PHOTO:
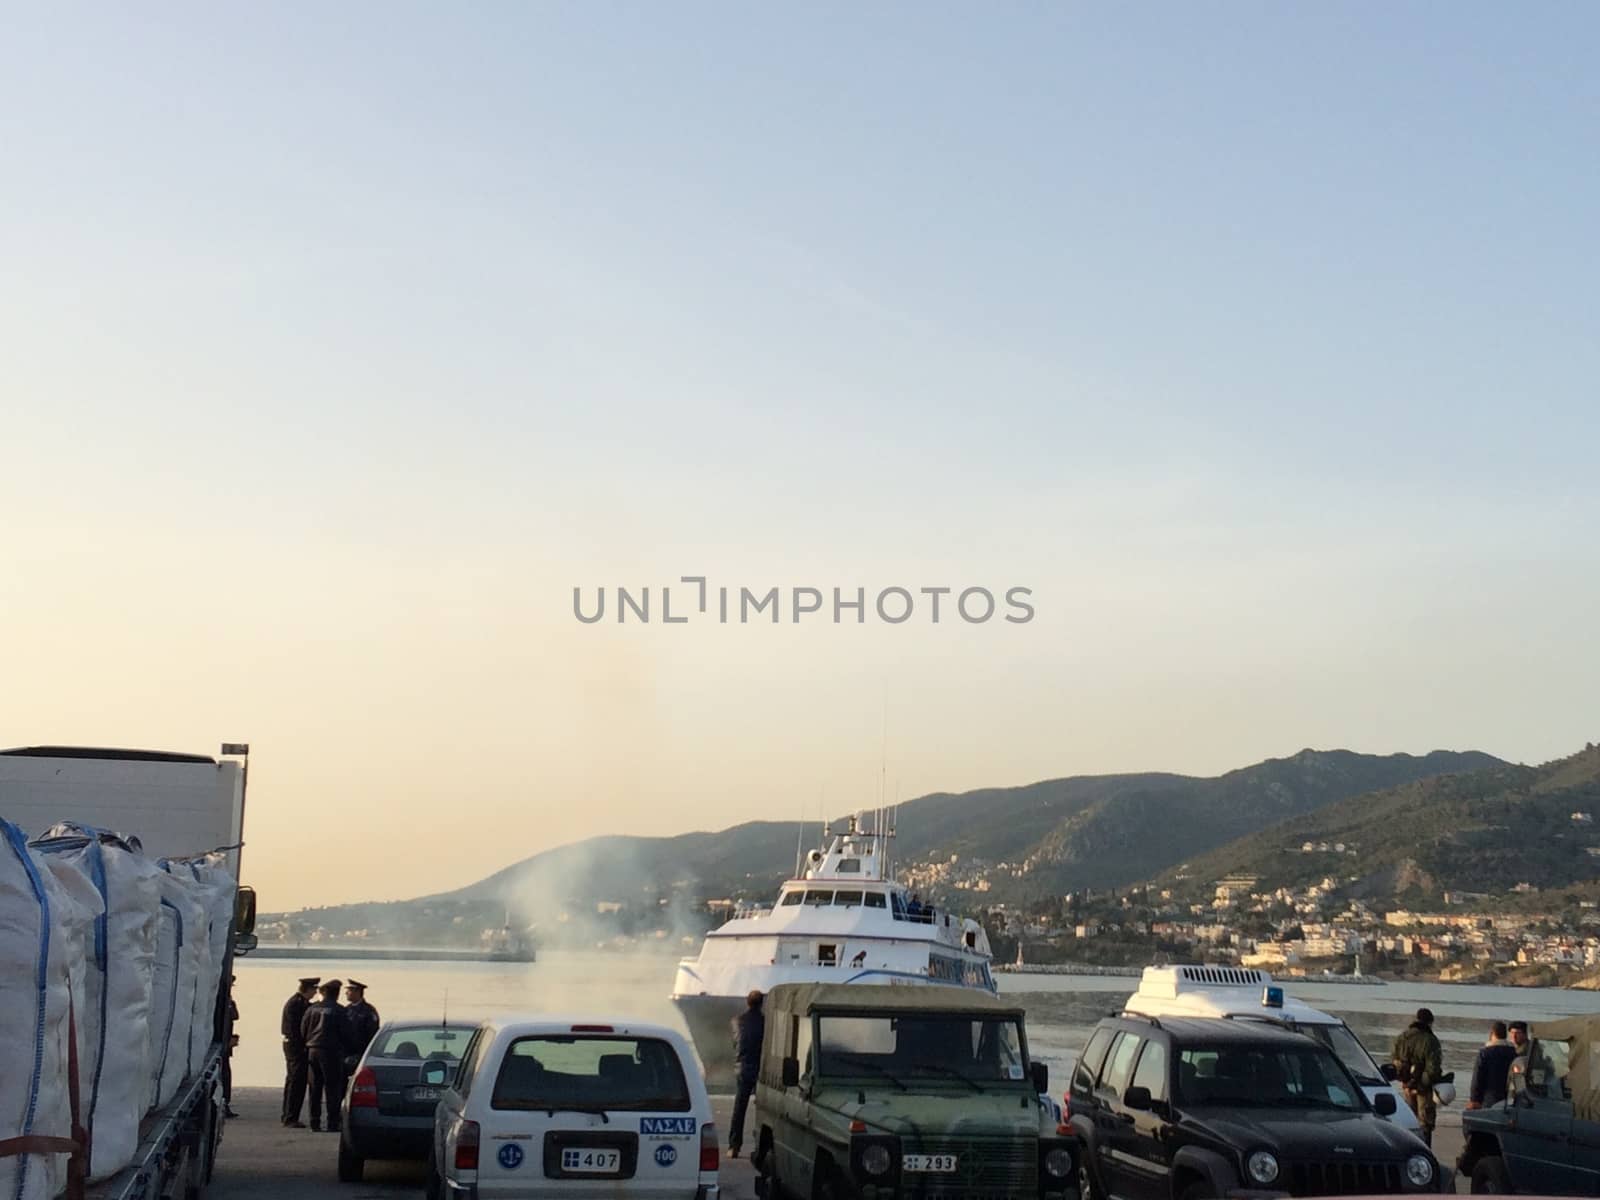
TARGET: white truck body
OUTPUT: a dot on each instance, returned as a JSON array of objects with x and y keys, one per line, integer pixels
[{"x": 177, "y": 806}]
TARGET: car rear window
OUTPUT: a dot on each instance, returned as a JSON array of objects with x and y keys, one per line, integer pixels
[
  {"x": 591, "y": 1073},
  {"x": 420, "y": 1042}
]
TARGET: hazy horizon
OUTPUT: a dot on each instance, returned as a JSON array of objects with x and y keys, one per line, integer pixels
[{"x": 341, "y": 346}]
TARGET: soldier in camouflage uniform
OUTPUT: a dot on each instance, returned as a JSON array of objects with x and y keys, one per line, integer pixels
[{"x": 1418, "y": 1063}]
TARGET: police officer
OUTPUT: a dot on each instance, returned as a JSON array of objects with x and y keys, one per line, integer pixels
[
  {"x": 1418, "y": 1064},
  {"x": 294, "y": 1052},
  {"x": 361, "y": 1022},
  {"x": 323, "y": 1031},
  {"x": 748, "y": 1028}
]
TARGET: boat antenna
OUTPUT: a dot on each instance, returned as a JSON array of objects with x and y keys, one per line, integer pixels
[
  {"x": 799, "y": 839},
  {"x": 444, "y": 1018}
]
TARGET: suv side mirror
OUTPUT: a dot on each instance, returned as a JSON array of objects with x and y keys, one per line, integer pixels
[
  {"x": 791, "y": 1073},
  {"x": 1384, "y": 1104},
  {"x": 1389, "y": 1071},
  {"x": 1041, "y": 1076},
  {"x": 1137, "y": 1098},
  {"x": 433, "y": 1073}
]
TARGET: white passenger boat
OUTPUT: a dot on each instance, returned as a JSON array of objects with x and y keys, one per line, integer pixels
[{"x": 842, "y": 920}]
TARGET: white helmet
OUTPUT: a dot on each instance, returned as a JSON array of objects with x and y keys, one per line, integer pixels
[{"x": 1444, "y": 1093}]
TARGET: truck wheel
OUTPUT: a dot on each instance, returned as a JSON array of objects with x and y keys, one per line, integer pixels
[
  {"x": 350, "y": 1165},
  {"x": 1490, "y": 1177}
]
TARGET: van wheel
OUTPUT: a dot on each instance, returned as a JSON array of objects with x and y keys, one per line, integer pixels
[
  {"x": 351, "y": 1165},
  {"x": 1490, "y": 1177}
]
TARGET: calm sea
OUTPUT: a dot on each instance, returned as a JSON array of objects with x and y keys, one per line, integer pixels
[{"x": 1061, "y": 1008}]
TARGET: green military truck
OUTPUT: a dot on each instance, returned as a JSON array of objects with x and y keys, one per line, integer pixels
[{"x": 875, "y": 1092}]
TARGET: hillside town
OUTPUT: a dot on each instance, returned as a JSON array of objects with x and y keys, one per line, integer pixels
[{"x": 1322, "y": 928}]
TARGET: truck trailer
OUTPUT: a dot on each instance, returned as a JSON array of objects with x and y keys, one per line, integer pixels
[{"x": 177, "y": 814}]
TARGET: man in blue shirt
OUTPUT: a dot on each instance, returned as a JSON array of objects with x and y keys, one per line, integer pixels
[{"x": 748, "y": 1029}]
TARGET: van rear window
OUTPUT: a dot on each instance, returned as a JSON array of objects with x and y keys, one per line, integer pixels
[{"x": 591, "y": 1074}]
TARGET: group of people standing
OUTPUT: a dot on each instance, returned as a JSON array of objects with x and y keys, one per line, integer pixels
[
  {"x": 322, "y": 1042},
  {"x": 1419, "y": 1066}
]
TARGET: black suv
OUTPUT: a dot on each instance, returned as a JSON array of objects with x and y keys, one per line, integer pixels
[{"x": 1180, "y": 1109}]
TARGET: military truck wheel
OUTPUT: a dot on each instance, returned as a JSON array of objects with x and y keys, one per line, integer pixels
[
  {"x": 1490, "y": 1177},
  {"x": 351, "y": 1165},
  {"x": 832, "y": 1185}
]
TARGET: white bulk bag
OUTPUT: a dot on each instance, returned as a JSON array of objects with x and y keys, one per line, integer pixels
[
  {"x": 190, "y": 954},
  {"x": 163, "y": 997},
  {"x": 114, "y": 1022},
  {"x": 215, "y": 888},
  {"x": 39, "y": 922}
]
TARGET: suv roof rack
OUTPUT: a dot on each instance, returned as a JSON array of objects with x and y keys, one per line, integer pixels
[
  {"x": 1137, "y": 1016},
  {"x": 1282, "y": 1022}
]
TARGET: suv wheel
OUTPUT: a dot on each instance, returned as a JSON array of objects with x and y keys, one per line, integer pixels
[
  {"x": 1198, "y": 1190},
  {"x": 1088, "y": 1189},
  {"x": 1490, "y": 1177}
]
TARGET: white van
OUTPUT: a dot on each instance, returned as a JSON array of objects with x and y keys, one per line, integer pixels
[
  {"x": 558, "y": 1106},
  {"x": 1244, "y": 993}
]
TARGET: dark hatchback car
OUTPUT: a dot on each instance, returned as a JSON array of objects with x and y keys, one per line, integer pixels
[
  {"x": 1181, "y": 1109},
  {"x": 389, "y": 1111}
]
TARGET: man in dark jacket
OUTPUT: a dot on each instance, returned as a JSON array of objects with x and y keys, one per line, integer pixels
[
  {"x": 294, "y": 1052},
  {"x": 748, "y": 1029},
  {"x": 1419, "y": 1061},
  {"x": 361, "y": 1022},
  {"x": 1490, "y": 1072},
  {"x": 323, "y": 1031}
]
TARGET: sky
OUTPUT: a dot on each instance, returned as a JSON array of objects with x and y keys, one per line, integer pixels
[{"x": 339, "y": 346}]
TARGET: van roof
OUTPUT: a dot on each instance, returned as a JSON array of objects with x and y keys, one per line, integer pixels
[
  {"x": 1205, "y": 991},
  {"x": 929, "y": 998}
]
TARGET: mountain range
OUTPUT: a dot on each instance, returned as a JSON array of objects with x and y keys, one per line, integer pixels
[{"x": 1055, "y": 836}]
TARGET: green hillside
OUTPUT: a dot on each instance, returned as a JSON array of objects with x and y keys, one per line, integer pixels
[
  {"x": 1088, "y": 831},
  {"x": 1483, "y": 832}
]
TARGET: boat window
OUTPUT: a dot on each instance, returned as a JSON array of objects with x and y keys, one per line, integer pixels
[
  {"x": 793, "y": 896},
  {"x": 850, "y": 866},
  {"x": 875, "y": 900},
  {"x": 827, "y": 955},
  {"x": 848, "y": 899},
  {"x": 814, "y": 897}
]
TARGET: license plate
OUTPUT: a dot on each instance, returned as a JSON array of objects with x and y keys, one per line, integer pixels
[
  {"x": 591, "y": 1162},
  {"x": 928, "y": 1163},
  {"x": 422, "y": 1093}
]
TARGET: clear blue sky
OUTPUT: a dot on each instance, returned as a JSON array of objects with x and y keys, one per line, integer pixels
[{"x": 340, "y": 344}]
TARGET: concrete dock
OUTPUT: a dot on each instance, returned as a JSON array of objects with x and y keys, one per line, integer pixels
[{"x": 261, "y": 1160}]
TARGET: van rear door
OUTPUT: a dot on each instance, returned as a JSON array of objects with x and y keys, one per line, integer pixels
[{"x": 598, "y": 1109}]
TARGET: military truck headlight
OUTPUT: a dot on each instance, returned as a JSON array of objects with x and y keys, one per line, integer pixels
[
  {"x": 1058, "y": 1162},
  {"x": 875, "y": 1160},
  {"x": 1419, "y": 1171},
  {"x": 1263, "y": 1167}
]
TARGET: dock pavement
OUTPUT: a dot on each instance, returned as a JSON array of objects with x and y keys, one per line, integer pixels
[{"x": 261, "y": 1160}]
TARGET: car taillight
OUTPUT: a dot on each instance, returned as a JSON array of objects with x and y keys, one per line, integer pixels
[
  {"x": 364, "y": 1091},
  {"x": 708, "y": 1147},
  {"x": 467, "y": 1146}
]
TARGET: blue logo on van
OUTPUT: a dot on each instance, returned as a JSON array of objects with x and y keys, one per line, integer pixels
[
  {"x": 510, "y": 1156},
  {"x": 665, "y": 1156},
  {"x": 667, "y": 1125}
]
